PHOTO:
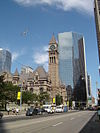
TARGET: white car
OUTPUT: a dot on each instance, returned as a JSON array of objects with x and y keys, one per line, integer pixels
[
  {"x": 48, "y": 108},
  {"x": 59, "y": 109}
]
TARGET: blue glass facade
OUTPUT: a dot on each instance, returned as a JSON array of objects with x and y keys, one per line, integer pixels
[
  {"x": 65, "y": 46},
  {"x": 5, "y": 61},
  {"x": 72, "y": 62}
]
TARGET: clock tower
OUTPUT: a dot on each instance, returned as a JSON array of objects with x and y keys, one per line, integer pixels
[{"x": 53, "y": 66}]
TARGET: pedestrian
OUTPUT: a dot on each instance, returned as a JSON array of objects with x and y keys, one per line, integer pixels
[
  {"x": 8, "y": 110},
  {"x": 17, "y": 111},
  {"x": 13, "y": 110}
]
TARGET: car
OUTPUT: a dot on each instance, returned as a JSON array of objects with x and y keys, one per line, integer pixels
[
  {"x": 48, "y": 108},
  {"x": 59, "y": 109},
  {"x": 1, "y": 115},
  {"x": 31, "y": 111},
  {"x": 41, "y": 111}
]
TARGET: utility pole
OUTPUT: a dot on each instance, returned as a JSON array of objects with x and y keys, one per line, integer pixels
[{"x": 21, "y": 98}]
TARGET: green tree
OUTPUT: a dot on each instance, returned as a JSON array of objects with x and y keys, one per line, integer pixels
[
  {"x": 59, "y": 99},
  {"x": 8, "y": 92},
  {"x": 43, "y": 97},
  {"x": 29, "y": 97}
]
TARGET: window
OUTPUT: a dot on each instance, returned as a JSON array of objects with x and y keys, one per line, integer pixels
[{"x": 41, "y": 90}]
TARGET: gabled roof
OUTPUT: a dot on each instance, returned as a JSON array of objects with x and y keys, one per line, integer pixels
[
  {"x": 41, "y": 72},
  {"x": 53, "y": 40},
  {"x": 16, "y": 73}
]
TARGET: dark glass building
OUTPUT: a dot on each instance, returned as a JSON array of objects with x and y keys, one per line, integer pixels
[
  {"x": 97, "y": 21},
  {"x": 5, "y": 61},
  {"x": 72, "y": 64}
]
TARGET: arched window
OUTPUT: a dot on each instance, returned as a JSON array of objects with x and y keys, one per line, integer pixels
[
  {"x": 41, "y": 89},
  {"x": 50, "y": 59},
  {"x": 54, "y": 60},
  {"x": 31, "y": 89}
]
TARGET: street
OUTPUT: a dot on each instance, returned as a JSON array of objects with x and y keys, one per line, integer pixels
[{"x": 62, "y": 123}]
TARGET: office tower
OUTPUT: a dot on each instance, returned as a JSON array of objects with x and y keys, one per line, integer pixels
[
  {"x": 89, "y": 85},
  {"x": 72, "y": 64},
  {"x": 5, "y": 60},
  {"x": 97, "y": 21}
]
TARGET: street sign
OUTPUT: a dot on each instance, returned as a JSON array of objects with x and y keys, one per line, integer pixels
[
  {"x": 18, "y": 95},
  {"x": 54, "y": 100},
  {"x": 67, "y": 103}
]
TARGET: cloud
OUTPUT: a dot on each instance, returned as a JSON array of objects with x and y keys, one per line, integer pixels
[
  {"x": 85, "y": 6},
  {"x": 41, "y": 58},
  {"x": 15, "y": 55}
]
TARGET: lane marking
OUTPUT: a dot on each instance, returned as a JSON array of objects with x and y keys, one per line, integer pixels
[
  {"x": 57, "y": 124},
  {"x": 21, "y": 123},
  {"x": 72, "y": 119}
]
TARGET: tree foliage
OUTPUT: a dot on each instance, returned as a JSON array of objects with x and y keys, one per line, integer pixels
[
  {"x": 59, "y": 99},
  {"x": 43, "y": 97},
  {"x": 8, "y": 92},
  {"x": 29, "y": 97}
]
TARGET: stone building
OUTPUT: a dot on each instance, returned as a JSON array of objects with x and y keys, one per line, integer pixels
[
  {"x": 53, "y": 71},
  {"x": 39, "y": 80}
]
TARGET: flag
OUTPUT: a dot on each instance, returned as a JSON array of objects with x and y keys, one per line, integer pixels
[{"x": 18, "y": 95}]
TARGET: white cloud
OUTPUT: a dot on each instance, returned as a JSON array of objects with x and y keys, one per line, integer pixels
[
  {"x": 79, "y": 5},
  {"x": 15, "y": 55},
  {"x": 45, "y": 48},
  {"x": 41, "y": 58}
]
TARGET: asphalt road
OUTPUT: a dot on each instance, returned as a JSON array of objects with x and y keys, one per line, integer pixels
[{"x": 62, "y": 123}]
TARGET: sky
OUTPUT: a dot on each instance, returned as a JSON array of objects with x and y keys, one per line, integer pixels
[{"x": 26, "y": 27}]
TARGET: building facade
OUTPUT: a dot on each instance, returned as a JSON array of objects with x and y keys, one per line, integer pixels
[
  {"x": 56, "y": 85},
  {"x": 36, "y": 82},
  {"x": 89, "y": 85},
  {"x": 72, "y": 64},
  {"x": 97, "y": 21},
  {"x": 53, "y": 66},
  {"x": 5, "y": 61},
  {"x": 26, "y": 69}
]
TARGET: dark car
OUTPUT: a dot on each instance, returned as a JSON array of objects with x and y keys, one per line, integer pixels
[
  {"x": 31, "y": 111},
  {"x": 1, "y": 115},
  {"x": 41, "y": 111}
]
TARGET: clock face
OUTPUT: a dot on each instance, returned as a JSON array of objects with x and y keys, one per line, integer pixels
[{"x": 52, "y": 47}]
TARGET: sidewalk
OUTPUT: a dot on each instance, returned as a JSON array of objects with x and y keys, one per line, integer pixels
[{"x": 93, "y": 126}]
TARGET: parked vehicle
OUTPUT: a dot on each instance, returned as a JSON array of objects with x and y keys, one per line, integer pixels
[
  {"x": 1, "y": 115},
  {"x": 31, "y": 111},
  {"x": 59, "y": 109},
  {"x": 48, "y": 108},
  {"x": 41, "y": 111}
]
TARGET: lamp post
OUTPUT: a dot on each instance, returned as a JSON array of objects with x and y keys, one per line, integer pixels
[{"x": 20, "y": 85}]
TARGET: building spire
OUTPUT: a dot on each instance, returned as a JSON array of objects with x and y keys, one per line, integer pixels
[
  {"x": 53, "y": 40},
  {"x": 16, "y": 73}
]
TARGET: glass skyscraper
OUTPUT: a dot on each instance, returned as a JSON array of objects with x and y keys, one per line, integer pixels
[
  {"x": 72, "y": 62},
  {"x": 5, "y": 61},
  {"x": 97, "y": 21}
]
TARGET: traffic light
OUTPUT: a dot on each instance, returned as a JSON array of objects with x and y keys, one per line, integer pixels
[{"x": 98, "y": 97}]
